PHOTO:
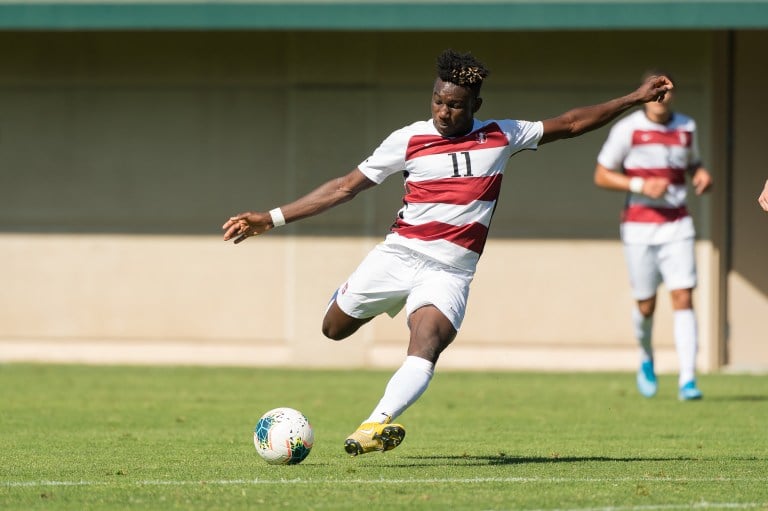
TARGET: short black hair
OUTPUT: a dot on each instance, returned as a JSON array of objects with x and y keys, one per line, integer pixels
[
  {"x": 461, "y": 69},
  {"x": 655, "y": 71}
]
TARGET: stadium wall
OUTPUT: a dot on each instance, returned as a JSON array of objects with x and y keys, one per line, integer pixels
[{"x": 122, "y": 153}]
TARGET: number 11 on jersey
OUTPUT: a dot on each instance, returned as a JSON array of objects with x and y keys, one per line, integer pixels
[{"x": 455, "y": 158}]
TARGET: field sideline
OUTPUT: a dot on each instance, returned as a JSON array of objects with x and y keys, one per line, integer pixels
[{"x": 121, "y": 437}]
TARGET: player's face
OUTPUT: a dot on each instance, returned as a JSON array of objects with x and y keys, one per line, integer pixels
[
  {"x": 453, "y": 108},
  {"x": 660, "y": 110}
]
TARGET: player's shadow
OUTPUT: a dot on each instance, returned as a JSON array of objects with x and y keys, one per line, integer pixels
[
  {"x": 744, "y": 398},
  {"x": 503, "y": 459}
]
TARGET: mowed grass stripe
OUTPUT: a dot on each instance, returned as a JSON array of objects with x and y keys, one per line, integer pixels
[{"x": 476, "y": 480}]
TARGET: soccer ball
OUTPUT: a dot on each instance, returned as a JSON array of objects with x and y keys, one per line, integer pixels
[{"x": 283, "y": 436}]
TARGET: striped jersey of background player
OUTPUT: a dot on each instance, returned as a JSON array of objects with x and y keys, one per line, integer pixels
[
  {"x": 453, "y": 165},
  {"x": 649, "y": 154}
]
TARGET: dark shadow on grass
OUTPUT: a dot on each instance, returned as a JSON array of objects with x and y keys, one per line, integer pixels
[
  {"x": 743, "y": 398},
  {"x": 502, "y": 459}
]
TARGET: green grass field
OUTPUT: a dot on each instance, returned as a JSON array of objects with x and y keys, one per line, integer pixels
[{"x": 101, "y": 438}]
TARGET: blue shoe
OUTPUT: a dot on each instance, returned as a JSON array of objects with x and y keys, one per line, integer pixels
[
  {"x": 689, "y": 392},
  {"x": 646, "y": 379}
]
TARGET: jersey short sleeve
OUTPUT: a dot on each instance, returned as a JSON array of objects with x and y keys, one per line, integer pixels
[
  {"x": 389, "y": 157},
  {"x": 616, "y": 147},
  {"x": 695, "y": 153},
  {"x": 523, "y": 134}
]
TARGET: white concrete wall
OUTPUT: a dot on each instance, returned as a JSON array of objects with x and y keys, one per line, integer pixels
[{"x": 195, "y": 299}]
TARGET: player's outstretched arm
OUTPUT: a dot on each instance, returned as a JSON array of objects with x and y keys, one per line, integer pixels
[
  {"x": 330, "y": 194},
  {"x": 581, "y": 120}
]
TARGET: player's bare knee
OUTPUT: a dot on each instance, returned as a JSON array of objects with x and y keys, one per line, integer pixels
[
  {"x": 336, "y": 328},
  {"x": 682, "y": 299},
  {"x": 331, "y": 331},
  {"x": 647, "y": 307}
]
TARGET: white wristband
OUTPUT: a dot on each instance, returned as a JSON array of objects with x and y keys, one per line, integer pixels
[
  {"x": 277, "y": 217},
  {"x": 636, "y": 184}
]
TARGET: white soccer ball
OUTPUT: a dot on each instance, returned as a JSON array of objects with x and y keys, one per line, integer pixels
[{"x": 283, "y": 436}]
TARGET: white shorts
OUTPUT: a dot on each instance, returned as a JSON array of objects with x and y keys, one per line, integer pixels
[
  {"x": 672, "y": 263},
  {"x": 393, "y": 276}
]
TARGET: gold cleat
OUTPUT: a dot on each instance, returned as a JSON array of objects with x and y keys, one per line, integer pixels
[{"x": 374, "y": 436}]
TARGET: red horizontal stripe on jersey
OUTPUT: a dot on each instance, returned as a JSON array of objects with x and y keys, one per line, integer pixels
[
  {"x": 485, "y": 138},
  {"x": 649, "y": 215},
  {"x": 454, "y": 190},
  {"x": 470, "y": 236},
  {"x": 675, "y": 176},
  {"x": 673, "y": 138}
]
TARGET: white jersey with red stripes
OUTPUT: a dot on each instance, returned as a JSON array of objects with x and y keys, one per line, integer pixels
[
  {"x": 451, "y": 184},
  {"x": 640, "y": 147}
]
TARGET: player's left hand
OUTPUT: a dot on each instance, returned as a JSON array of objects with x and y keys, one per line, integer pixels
[
  {"x": 701, "y": 181},
  {"x": 655, "y": 88}
]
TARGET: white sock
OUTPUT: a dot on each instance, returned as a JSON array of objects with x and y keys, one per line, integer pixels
[
  {"x": 686, "y": 343},
  {"x": 404, "y": 388},
  {"x": 643, "y": 327}
]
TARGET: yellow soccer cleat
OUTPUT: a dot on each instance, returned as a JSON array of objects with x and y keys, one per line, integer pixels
[{"x": 374, "y": 436}]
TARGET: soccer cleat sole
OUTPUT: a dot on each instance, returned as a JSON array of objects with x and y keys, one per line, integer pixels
[{"x": 390, "y": 436}]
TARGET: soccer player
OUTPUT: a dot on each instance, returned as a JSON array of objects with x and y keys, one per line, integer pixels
[
  {"x": 452, "y": 164},
  {"x": 763, "y": 198},
  {"x": 649, "y": 154}
]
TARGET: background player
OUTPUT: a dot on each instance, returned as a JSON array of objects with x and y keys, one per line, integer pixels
[
  {"x": 649, "y": 153},
  {"x": 453, "y": 166}
]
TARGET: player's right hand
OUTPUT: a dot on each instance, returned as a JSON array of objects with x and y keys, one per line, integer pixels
[
  {"x": 242, "y": 226},
  {"x": 655, "y": 187}
]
